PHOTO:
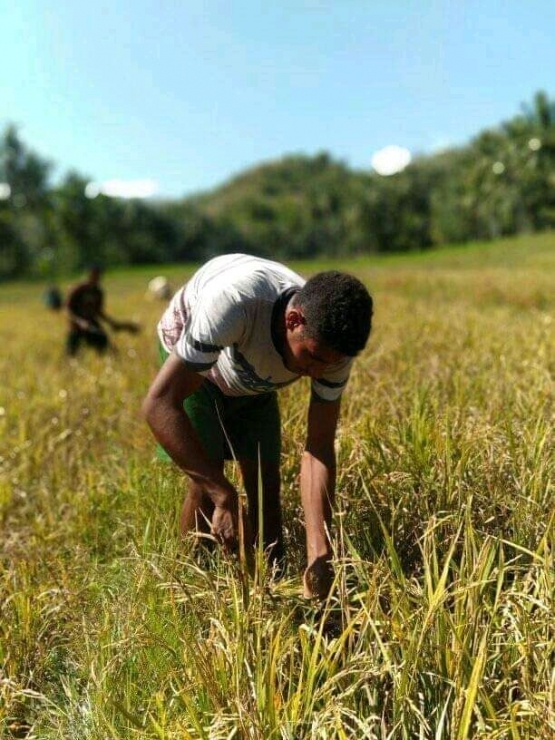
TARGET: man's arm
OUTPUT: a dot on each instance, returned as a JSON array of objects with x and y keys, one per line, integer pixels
[
  {"x": 112, "y": 323},
  {"x": 317, "y": 493},
  {"x": 103, "y": 316},
  {"x": 163, "y": 410},
  {"x": 130, "y": 326}
]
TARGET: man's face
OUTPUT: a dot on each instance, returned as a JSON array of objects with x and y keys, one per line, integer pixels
[
  {"x": 304, "y": 355},
  {"x": 309, "y": 357}
]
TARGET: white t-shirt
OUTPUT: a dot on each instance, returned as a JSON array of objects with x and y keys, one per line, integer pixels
[{"x": 220, "y": 324}]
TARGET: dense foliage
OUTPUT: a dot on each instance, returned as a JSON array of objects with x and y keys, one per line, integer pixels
[{"x": 501, "y": 183}]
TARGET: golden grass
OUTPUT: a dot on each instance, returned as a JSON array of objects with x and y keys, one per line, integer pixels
[{"x": 441, "y": 621}]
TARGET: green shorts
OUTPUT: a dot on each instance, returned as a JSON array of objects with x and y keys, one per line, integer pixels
[{"x": 251, "y": 423}]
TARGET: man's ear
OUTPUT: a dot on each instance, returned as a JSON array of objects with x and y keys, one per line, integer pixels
[{"x": 294, "y": 318}]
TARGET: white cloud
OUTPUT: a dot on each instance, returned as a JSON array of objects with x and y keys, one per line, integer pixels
[
  {"x": 391, "y": 159},
  {"x": 5, "y": 191},
  {"x": 122, "y": 188}
]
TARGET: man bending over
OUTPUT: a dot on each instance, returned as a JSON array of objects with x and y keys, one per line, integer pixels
[{"x": 237, "y": 332}]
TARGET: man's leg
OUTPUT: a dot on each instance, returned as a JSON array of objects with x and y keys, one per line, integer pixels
[
  {"x": 271, "y": 506},
  {"x": 98, "y": 339},
  {"x": 73, "y": 341}
]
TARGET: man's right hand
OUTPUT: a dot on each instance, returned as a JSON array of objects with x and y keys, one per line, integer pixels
[{"x": 224, "y": 524}]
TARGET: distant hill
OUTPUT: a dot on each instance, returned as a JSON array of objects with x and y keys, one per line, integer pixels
[
  {"x": 298, "y": 207},
  {"x": 302, "y": 206},
  {"x": 500, "y": 183},
  {"x": 289, "y": 176}
]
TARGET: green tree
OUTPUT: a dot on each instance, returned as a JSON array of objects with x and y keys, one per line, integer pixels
[{"x": 25, "y": 214}]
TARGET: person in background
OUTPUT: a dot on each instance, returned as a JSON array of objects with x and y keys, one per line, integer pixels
[
  {"x": 85, "y": 307},
  {"x": 237, "y": 332}
]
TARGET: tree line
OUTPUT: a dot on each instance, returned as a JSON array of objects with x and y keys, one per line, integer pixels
[{"x": 502, "y": 182}]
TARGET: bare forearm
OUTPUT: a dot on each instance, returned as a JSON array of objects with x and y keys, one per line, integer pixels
[
  {"x": 317, "y": 494},
  {"x": 173, "y": 429},
  {"x": 107, "y": 319}
]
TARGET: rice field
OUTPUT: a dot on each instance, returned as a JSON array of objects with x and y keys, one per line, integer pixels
[{"x": 441, "y": 620}]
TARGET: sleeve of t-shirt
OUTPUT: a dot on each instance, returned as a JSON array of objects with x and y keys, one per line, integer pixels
[
  {"x": 331, "y": 385},
  {"x": 215, "y": 322}
]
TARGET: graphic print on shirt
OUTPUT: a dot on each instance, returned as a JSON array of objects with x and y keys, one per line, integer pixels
[{"x": 248, "y": 377}]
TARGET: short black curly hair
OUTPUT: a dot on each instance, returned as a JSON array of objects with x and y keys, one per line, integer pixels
[{"x": 338, "y": 311}]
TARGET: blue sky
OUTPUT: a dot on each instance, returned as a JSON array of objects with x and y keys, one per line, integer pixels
[{"x": 189, "y": 93}]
